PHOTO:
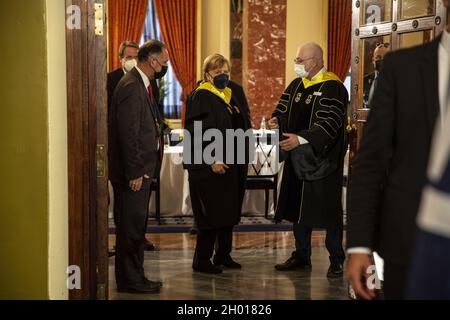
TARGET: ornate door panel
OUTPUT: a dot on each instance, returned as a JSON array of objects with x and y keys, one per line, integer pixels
[{"x": 396, "y": 23}]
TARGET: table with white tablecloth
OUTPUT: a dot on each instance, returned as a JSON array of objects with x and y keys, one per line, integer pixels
[
  {"x": 175, "y": 199},
  {"x": 174, "y": 185}
]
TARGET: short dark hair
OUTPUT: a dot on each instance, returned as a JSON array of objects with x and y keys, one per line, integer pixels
[
  {"x": 124, "y": 45},
  {"x": 149, "y": 48}
]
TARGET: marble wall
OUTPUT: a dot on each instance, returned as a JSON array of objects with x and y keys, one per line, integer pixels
[
  {"x": 236, "y": 36},
  {"x": 264, "y": 55}
]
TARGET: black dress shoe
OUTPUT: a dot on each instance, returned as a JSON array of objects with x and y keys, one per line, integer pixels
[
  {"x": 159, "y": 283},
  {"x": 293, "y": 264},
  {"x": 227, "y": 262},
  {"x": 208, "y": 268},
  {"x": 336, "y": 270},
  {"x": 150, "y": 246},
  {"x": 140, "y": 288}
]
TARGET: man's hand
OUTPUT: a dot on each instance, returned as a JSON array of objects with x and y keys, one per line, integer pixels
[
  {"x": 136, "y": 185},
  {"x": 357, "y": 267},
  {"x": 220, "y": 168},
  {"x": 290, "y": 143},
  {"x": 273, "y": 124}
]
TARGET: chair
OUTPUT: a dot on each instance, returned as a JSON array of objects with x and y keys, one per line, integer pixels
[
  {"x": 265, "y": 183},
  {"x": 156, "y": 186}
]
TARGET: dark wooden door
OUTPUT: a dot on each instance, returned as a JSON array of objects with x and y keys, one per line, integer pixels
[
  {"x": 87, "y": 146},
  {"x": 402, "y": 24}
]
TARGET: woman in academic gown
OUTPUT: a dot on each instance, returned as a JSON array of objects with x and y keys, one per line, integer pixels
[{"x": 216, "y": 189}]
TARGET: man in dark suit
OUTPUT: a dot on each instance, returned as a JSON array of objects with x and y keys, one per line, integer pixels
[
  {"x": 370, "y": 80},
  {"x": 430, "y": 267},
  {"x": 128, "y": 53},
  {"x": 134, "y": 134},
  {"x": 389, "y": 171}
]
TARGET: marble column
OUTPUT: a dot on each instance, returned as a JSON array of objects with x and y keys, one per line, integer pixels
[
  {"x": 264, "y": 55},
  {"x": 236, "y": 33}
]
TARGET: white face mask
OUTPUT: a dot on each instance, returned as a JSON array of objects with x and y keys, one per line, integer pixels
[
  {"x": 300, "y": 70},
  {"x": 129, "y": 65}
]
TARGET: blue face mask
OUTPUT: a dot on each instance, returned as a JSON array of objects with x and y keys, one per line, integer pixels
[{"x": 221, "y": 81}]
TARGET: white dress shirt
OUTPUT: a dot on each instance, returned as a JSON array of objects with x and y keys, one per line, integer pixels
[
  {"x": 147, "y": 84},
  {"x": 444, "y": 73},
  {"x": 144, "y": 77},
  {"x": 444, "y": 78}
]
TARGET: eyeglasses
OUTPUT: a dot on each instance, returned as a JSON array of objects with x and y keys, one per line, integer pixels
[
  {"x": 381, "y": 44},
  {"x": 299, "y": 61},
  {"x": 164, "y": 64}
]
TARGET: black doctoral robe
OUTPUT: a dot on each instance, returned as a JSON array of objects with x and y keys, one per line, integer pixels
[
  {"x": 216, "y": 199},
  {"x": 318, "y": 114}
]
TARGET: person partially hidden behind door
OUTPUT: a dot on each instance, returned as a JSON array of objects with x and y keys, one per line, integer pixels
[
  {"x": 135, "y": 129},
  {"x": 370, "y": 80},
  {"x": 128, "y": 53}
]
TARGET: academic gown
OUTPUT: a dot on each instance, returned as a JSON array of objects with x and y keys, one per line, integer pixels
[
  {"x": 317, "y": 113},
  {"x": 216, "y": 199}
]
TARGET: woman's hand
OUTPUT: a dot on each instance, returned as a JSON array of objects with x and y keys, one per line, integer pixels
[{"x": 220, "y": 168}]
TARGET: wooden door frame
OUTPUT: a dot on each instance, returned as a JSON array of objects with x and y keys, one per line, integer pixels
[
  {"x": 394, "y": 28},
  {"x": 87, "y": 128}
]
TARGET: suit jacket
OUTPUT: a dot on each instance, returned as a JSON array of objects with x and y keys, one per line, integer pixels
[
  {"x": 114, "y": 78},
  {"x": 390, "y": 168},
  {"x": 133, "y": 131}
]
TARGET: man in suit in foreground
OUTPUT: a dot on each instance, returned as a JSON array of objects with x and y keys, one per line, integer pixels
[
  {"x": 134, "y": 134},
  {"x": 430, "y": 270},
  {"x": 389, "y": 171},
  {"x": 430, "y": 267}
]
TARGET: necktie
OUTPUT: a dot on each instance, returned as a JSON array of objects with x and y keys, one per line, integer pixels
[
  {"x": 154, "y": 104},
  {"x": 157, "y": 116}
]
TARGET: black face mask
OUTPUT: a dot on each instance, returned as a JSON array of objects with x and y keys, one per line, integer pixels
[
  {"x": 221, "y": 81},
  {"x": 161, "y": 74}
]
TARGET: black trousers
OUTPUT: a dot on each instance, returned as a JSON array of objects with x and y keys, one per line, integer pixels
[
  {"x": 395, "y": 280},
  {"x": 157, "y": 175},
  {"x": 131, "y": 209},
  {"x": 333, "y": 243},
  {"x": 220, "y": 240}
]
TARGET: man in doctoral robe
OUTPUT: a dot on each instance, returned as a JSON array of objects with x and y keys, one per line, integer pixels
[{"x": 311, "y": 116}]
